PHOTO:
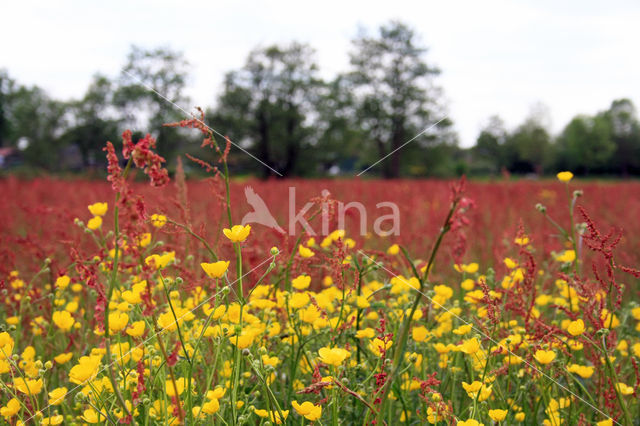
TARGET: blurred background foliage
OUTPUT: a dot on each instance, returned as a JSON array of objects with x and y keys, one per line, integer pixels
[{"x": 278, "y": 108}]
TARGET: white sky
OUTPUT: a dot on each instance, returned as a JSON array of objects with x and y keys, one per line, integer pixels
[{"x": 497, "y": 57}]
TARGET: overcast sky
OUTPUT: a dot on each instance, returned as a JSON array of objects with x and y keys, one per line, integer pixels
[{"x": 497, "y": 57}]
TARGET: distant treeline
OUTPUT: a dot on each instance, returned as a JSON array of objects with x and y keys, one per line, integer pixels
[{"x": 277, "y": 108}]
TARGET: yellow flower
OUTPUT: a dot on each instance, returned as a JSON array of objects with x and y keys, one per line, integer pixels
[
  {"x": 63, "y": 320},
  {"x": 498, "y": 415},
  {"x": 470, "y": 346},
  {"x": 62, "y": 282},
  {"x": 158, "y": 220},
  {"x": 144, "y": 240},
  {"x": 211, "y": 407},
  {"x": 471, "y": 268},
  {"x": 463, "y": 329},
  {"x": 86, "y": 369},
  {"x": 544, "y": 357},
  {"x": 419, "y": 333},
  {"x": 608, "y": 422},
  {"x": 333, "y": 356},
  {"x": 160, "y": 261},
  {"x": 98, "y": 209},
  {"x": 576, "y": 328},
  {"x": 91, "y": 416},
  {"x": 56, "y": 396},
  {"x": 470, "y": 422},
  {"x": 136, "y": 329},
  {"x": 301, "y": 282},
  {"x": 377, "y": 346},
  {"x": 273, "y": 415},
  {"x": 53, "y": 420},
  {"x": 567, "y": 256},
  {"x": 237, "y": 233},
  {"x": 94, "y": 223},
  {"x": 299, "y": 300},
  {"x": 520, "y": 416},
  {"x": 63, "y": 358},
  {"x": 624, "y": 389},
  {"x": 564, "y": 176},
  {"x": 581, "y": 370},
  {"x": 393, "y": 250},
  {"x": 28, "y": 386},
  {"x": 118, "y": 321},
  {"x": 305, "y": 252},
  {"x": 215, "y": 269},
  {"x": 308, "y": 410},
  {"x": 522, "y": 241},
  {"x": 365, "y": 333},
  {"x": 179, "y": 387},
  {"x": 11, "y": 409}
]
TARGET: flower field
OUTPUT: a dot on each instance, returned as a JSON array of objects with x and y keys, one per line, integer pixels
[{"x": 494, "y": 303}]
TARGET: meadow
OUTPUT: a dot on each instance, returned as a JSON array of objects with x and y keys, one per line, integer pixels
[{"x": 497, "y": 302}]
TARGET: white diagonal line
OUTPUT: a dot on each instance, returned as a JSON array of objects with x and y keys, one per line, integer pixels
[
  {"x": 489, "y": 338},
  {"x": 407, "y": 142},
  {"x": 119, "y": 358},
  {"x": 201, "y": 122}
]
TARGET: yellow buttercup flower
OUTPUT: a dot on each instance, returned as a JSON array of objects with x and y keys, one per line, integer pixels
[
  {"x": 308, "y": 410},
  {"x": 158, "y": 220},
  {"x": 624, "y": 389},
  {"x": 86, "y": 369},
  {"x": 576, "y": 328},
  {"x": 470, "y": 346},
  {"x": 136, "y": 329},
  {"x": 419, "y": 333},
  {"x": 11, "y": 409},
  {"x": 62, "y": 282},
  {"x": 98, "y": 209},
  {"x": 301, "y": 282},
  {"x": 215, "y": 269},
  {"x": 393, "y": 250},
  {"x": 179, "y": 386},
  {"x": 273, "y": 415},
  {"x": 118, "y": 321},
  {"x": 305, "y": 251},
  {"x": 544, "y": 357},
  {"x": 581, "y": 370},
  {"x": 470, "y": 422},
  {"x": 56, "y": 396},
  {"x": 567, "y": 256},
  {"x": 565, "y": 176},
  {"x": 91, "y": 416},
  {"x": 498, "y": 415},
  {"x": 53, "y": 420},
  {"x": 28, "y": 386},
  {"x": 63, "y": 320},
  {"x": 94, "y": 223},
  {"x": 63, "y": 358},
  {"x": 333, "y": 356},
  {"x": 237, "y": 233}
]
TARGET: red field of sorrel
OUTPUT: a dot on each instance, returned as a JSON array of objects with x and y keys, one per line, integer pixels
[
  {"x": 491, "y": 303},
  {"x": 37, "y": 216}
]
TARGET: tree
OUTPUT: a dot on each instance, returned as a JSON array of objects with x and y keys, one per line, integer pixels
[
  {"x": 625, "y": 135},
  {"x": 92, "y": 121},
  {"x": 266, "y": 106},
  {"x": 339, "y": 137},
  {"x": 488, "y": 151},
  {"x": 528, "y": 148},
  {"x": 394, "y": 92},
  {"x": 151, "y": 85},
  {"x": 585, "y": 145},
  {"x": 36, "y": 123}
]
